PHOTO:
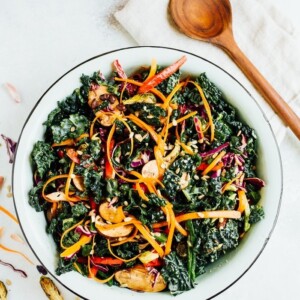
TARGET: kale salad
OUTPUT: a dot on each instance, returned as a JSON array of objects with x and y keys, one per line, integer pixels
[{"x": 145, "y": 179}]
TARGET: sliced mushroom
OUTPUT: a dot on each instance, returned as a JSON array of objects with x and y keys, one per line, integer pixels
[
  {"x": 116, "y": 232},
  {"x": 111, "y": 213},
  {"x": 78, "y": 182},
  {"x": 56, "y": 196},
  {"x": 139, "y": 278},
  {"x": 150, "y": 169}
]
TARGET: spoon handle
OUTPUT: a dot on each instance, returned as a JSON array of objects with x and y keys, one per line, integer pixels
[{"x": 283, "y": 110}]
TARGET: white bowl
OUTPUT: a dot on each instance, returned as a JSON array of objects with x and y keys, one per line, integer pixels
[{"x": 220, "y": 275}]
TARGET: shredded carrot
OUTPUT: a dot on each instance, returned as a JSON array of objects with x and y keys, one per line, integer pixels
[
  {"x": 82, "y": 136},
  {"x": 144, "y": 126},
  {"x": 226, "y": 186},
  {"x": 153, "y": 69},
  {"x": 68, "y": 182},
  {"x": 108, "y": 142},
  {"x": 171, "y": 229},
  {"x": 207, "y": 109},
  {"x": 243, "y": 202},
  {"x": 148, "y": 237},
  {"x": 183, "y": 118},
  {"x": 75, "y": 247},
  {"x": 9, "y": 214},
  {"x": 66, "y": 231},
  {"x": 214, "y": 214},
  {"x": 68, "y": 142},
  {"x": 15, "y": 251},
  {"x": 213, "y": 163},
  {"x": 116, "y": 256},
  {"x": 48, "y": 182},
  {"x": 154, "y": 90},
  {"x": 141, "y": 192},
  {"x": 177, "y": 87}
]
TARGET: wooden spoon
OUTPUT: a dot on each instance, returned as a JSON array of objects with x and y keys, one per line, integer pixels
[{"x": 211, "y": 21}]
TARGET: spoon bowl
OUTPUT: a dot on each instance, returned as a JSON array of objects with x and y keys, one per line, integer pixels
[
  {"x": 203, "y": 21},
  {"x": 211, "y": 21}
]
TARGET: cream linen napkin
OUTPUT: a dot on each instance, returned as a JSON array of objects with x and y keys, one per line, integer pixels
[{"x": 267, "y": 38}]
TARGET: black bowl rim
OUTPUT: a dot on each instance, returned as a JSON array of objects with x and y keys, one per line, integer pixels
[{"x": 182, "y": 51}]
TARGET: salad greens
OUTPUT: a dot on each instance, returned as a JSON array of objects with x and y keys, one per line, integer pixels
[{"x": 146, "y": 179}]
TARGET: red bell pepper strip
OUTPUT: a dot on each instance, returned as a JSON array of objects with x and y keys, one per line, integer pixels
[
  {"x": 106, "y": 260},
  {"x": 93, "y": 272},
  {"x": 204, "y": 165},
  {"x": 143, "y": 187},
  {"x": 154, "y": 263},
  {"x": 153, "y": 81}
]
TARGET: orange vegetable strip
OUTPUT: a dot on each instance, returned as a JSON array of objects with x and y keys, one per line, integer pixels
[
  {"x": 66, "y": 231},
  {"x": 120, "y": 258},
  {"x": 75, "y": 247},
  {"x": 150, "y": 239},
  {"x": 183, "y": 118},
  {"x": 82, "y": 136},
  {"x": 214, "y": 214},
  {"x": 141, "y": 192},
  {"x": 213, "y": 163},
  {"x": 68, "y": 142},
  {"x": 9, "y": 214},
  {"x": 153, "y": 69},
  {"x": 177, "y": 87},
  {"x": 116, "y": 225},
  {"x": 229, "y": 183},
  {"x": 171, "y": 229},
  {"x": 150, "y": 83},
  {"x": 243, "y": 202},
  {"x": 91, "y": 275},
  {"x": 49, "y": 181},
  {"x": 154, "y": 91},
  {"x": 108, "y": 142},
  {"x": 68, "y": 182},
  {"x": 207, "y": 108},
  {"x": 144, "y": 126},
  {"x": 15, "y": 251}
]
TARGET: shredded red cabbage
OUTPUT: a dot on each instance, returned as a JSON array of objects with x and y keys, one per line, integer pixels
[{"x": 11, "y": 147}]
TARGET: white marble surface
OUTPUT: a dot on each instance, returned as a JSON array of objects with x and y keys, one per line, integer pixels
[{"x": 41, "y": 40}]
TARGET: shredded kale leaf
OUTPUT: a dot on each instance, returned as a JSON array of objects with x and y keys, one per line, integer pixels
[
  {"x": 43, "y": 157},
  {"x": 72, "y": 127},
  {"x": 176, "y": 275}
]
